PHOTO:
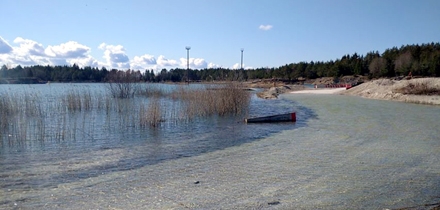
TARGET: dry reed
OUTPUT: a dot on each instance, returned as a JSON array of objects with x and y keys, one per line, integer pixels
[
  {"x": 78, "y": 100},
  {"x": 228, "y": 99},
  {"x": 27, "y": 117},
  {"x": 151, "y": 114}
]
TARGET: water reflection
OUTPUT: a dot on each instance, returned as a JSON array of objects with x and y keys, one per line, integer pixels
[{"x": 100, "y": 142}]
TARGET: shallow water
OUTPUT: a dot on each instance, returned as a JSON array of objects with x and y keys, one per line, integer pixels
[
  {"x": 343, "y": 153},
  {"x": 97, "y": 142}
]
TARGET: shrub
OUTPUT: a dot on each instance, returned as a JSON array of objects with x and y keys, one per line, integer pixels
[{"x": 122, "y": 84}]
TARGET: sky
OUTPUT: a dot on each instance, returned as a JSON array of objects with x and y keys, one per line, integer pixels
[{"x": 147, "y": 34}]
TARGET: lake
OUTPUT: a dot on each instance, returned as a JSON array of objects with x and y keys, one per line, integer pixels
[{"x": 343, "y": 152}]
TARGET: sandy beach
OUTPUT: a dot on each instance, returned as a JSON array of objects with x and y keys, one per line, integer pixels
[
  {"x": 384, "y": 89},
  {"x": 319, "y": 91},
  {"x": 388, "y": 89}
]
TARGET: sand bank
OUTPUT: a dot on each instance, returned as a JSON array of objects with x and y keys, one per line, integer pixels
[
  {"x": 319, "y": 91},
  {"x": 388, "y": 89}
]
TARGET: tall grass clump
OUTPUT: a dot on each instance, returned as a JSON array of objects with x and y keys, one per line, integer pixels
[
  {"x": 152, "y": 91},
  {"x": 32, "y": 105},
  {"x": 234, "y": 100},
  {"x": 228, "y": 99},
  {"x": 6, "y": 109},
  {"x": 17, "y": 114},
  {"x": 78, "y": 100},
  {"x": 5, "y": 104},
  {"x": 151, "y": 114}
]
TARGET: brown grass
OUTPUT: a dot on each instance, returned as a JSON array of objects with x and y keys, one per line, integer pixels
[
  {"x": 229, "y": 99},
  {"x": 152, "y": 91},
  {"x": 26, "y": 118},
  {"x": 151, "y": 114},
  {"x": 419, "y": 88},
  {"x": 78, "y": 100}
]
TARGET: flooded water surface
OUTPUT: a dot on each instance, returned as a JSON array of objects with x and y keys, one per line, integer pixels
[{"x": 343, "y": 152}]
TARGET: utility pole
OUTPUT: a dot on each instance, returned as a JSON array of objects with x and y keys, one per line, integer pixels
[
  {"x": 187, "y": 62},
  {"x": 242, "y": 49},
  {"x": 240, "y": 72}
]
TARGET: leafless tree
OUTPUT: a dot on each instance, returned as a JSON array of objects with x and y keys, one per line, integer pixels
[
  {"x": 378, "y": 66},
  {"x": 122, "y": 84}
]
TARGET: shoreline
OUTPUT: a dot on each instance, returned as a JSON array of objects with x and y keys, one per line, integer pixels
[
  {"x": 385, "y": 89},
  {"x": 319, "y": 91},
  {"x": 388, "y": 89}
]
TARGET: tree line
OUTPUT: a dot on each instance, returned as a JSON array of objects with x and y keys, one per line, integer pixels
[{"x": 417, "y": 60}]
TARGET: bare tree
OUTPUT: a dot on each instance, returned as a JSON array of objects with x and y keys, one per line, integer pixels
[
  {"x": 378, "y": 67},
  {"x": 122, "y": 84}
]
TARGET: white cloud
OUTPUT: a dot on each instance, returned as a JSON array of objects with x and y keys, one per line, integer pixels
[
  {"x": 70, "y": 49},
  {"x": 194, "y": 63},
  {"x": 87, "y": 61},
  {"x": 213, "y": 65},
  {"x": 238, "y": 66},
  {"x": 20, "y": 60},
  {"x": 27, "y": 52},
  {"x": 145, "y": 59},
  {"x": 265, "y": 27},
  {"x": 28, "y": 47},
  {"x": 162, "y": 61},
  {"x": 198, "y": 63},
  {"x": 4, "y": 46},
  {"x": 142, "y": 62},
  {"x": 115, "y": 56}
]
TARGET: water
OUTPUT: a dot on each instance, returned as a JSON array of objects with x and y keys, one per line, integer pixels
[
  {"x": 80, "y": 145},
  {"x": 344, "y": 152}
]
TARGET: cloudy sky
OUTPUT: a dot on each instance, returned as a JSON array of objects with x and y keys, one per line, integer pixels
[{"x": 146, "y": 34}]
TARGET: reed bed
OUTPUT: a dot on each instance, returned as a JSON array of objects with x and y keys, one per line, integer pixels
[
  {"x": 150, "y": 114},
  {"x": 228, "y": 99},
  {"x": 152, "y": 91},
  {"x": 18, "y": 112},
  {"x": 77, "y": 100},
  {"x": 83, "y": 114}
]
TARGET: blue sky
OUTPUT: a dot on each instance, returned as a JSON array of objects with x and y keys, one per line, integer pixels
[{"x": 144, "y": 34}]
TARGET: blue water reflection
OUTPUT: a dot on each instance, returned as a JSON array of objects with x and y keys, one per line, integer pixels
[{"x": 122, "y": 146}]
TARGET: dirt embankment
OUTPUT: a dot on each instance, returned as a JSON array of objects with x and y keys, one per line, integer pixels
[
  {"x": 273, "y": 88},
  {"x": 421, "y": 90},
  {"x": 418, "y": 90},
  {"x": 274, "y": 92},
  {"x": 343, "y": 80}
]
